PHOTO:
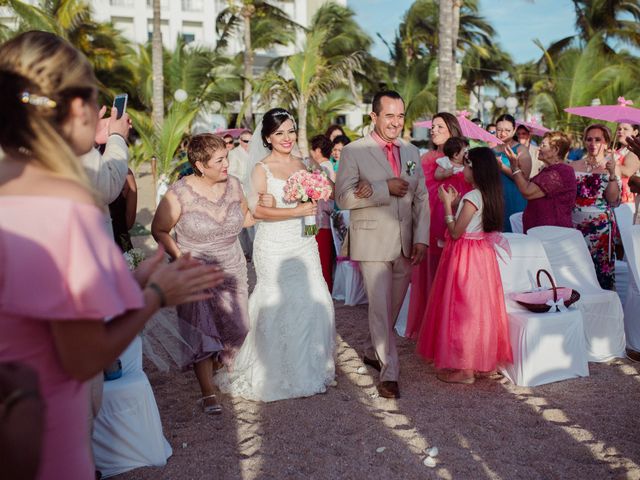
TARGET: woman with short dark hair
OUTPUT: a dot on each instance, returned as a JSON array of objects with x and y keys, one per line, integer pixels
[{"x": 551, "y": 194}]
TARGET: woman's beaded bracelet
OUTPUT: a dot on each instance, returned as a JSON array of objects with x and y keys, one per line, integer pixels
[{"x": 156, "y": 288}]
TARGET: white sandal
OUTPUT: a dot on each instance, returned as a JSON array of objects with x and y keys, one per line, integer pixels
[{"x": 211, "y": 409}]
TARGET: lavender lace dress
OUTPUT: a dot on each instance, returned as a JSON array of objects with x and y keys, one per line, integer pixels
[{"x": 209, "y": 230}]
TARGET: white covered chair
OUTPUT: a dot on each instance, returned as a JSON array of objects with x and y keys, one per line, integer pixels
[
  {"x": 547, "y": 347},
  {"x": 631, "y": 242},
  {"x": 348, "y": 284},
  {"x": 127, "y": 433},
  {"x": 516, "y": 222},
  {"x": 625, "y": 214},
  {"x": 601, "y": 309}
]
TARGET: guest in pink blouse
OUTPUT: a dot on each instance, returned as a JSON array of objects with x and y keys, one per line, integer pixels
[
  {"x": 61, "y": 274},
  {"x": 551, "y": 194},
  {"x": 444, "y": 126}
]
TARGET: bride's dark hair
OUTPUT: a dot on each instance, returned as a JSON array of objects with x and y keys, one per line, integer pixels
[{"x": 272, "y": 121}]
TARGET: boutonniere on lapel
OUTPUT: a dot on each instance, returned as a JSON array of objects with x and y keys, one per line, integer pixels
[{"x": 411, "y": 167}]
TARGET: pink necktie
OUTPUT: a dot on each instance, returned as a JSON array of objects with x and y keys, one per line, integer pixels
[{"x": 392, "y": 159}]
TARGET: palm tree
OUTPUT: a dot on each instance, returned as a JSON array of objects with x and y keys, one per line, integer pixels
[
  {"x": 525, "y": 77},
  {"x": 310, "y": 78},
  {"x": 101, "y": 43},
  {"x": 161, "y": 143},
  {"x": 615, "y": 20},
  {"x": 446, "y": 56},
  {"x": 157, "y": 103},
  {"x": 262, "y": 25},
  {"x": 577, "y": 77},
  {"x": 344, "y": 38},
  {"x": 419, "y": 28},
  {"x": 322, "y": 113}
]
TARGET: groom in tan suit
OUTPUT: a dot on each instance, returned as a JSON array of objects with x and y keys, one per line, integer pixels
[{"x": 380, "y": 180}]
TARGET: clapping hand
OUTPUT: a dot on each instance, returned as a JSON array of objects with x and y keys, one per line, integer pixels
[
  {"x": 514, "y": 160},
  {"x": 447, "y": 195},
  {"x": 186, "y": 280},
  {"x": 363, "y": 190}
]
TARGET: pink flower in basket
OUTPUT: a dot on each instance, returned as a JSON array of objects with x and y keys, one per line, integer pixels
[{"x": 304, "y": 186}]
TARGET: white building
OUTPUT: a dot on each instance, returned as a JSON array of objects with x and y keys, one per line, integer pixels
[{"x": 194, "y": 20}]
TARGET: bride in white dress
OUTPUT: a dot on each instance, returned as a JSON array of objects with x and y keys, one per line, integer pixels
[{"x": 289, "y": 351}]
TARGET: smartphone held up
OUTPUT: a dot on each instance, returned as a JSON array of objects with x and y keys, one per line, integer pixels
[{"x": 120, "y": 104}]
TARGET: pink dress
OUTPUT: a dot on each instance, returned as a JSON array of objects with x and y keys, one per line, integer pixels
[
  {"x": 57, "y": 263},
  {"x": 465, "y": 325},
  {"x": 423, "y": 274}
]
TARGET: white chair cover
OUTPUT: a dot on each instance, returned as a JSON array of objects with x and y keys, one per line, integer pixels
[
  {"x": 516, "y": 222},
  {"x": 622, "y": 279},
  {"x": 547, "y": 347},
  {"x": 573, "y": 267},
  {"x": 127, "y": 433},
  {"x": 631, "y": 242},
  {"x": 348, "y": 284}
]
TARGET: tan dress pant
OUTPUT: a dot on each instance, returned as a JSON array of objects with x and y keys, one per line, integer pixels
[{"x": 386, "y": 284}]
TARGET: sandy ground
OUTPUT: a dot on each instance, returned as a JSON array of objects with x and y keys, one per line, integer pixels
[{"x": 586, "y": 428}]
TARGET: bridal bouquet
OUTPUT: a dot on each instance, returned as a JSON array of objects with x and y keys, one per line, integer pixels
[{"x": 305, "y": 186}]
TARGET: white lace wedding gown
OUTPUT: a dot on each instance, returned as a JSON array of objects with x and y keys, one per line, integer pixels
[{"x": 289, "y": 351}]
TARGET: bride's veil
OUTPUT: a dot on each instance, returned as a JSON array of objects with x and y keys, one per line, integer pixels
[{"x": 257, "y": 153}]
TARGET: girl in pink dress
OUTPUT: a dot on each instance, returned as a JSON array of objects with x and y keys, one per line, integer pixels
[
  {"x": 465, "y": 328},
  {"x": 61, "y": 274},
  {"x": 443, "y": 127}
]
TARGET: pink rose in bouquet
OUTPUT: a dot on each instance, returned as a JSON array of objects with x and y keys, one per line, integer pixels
[{"x": 306, "y": 186}]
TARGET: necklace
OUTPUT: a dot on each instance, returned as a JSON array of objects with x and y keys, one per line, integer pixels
[{"x": 592, "y": 164}]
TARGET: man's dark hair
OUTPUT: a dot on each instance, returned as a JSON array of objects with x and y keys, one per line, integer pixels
[
  {"x": 323, "y": 143},
  {"x": 343, "y": 139},
  {"x": 377, "y": 99}
]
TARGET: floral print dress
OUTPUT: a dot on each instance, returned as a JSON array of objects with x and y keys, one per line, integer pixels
[{"x": 594, "y": 217}]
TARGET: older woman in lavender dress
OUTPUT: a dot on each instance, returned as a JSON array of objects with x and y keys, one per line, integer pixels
[{"x": 207, "y": 211}]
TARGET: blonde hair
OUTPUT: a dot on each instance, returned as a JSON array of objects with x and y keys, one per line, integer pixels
[
  {"x": 40, "y": 74},
  {"x": 560, "y": 141}
]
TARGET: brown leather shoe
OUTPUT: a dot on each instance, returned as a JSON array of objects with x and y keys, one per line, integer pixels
[
  {"x": 372, "y": 362},
  {"x": 389, "y": 389}
]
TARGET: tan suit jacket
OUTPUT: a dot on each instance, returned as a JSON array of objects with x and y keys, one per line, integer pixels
[{"x": 382, "y": 226}]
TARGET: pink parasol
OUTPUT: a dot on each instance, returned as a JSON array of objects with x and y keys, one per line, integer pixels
[
  {"x": 469, "y": 129},
  {"x": 533, "y": 126},
  {"x": 234, "y": 132},
  {"x": 619, "y": 113}
]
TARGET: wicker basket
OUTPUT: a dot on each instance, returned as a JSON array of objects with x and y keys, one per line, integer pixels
[{"x": 543, "y": 307}]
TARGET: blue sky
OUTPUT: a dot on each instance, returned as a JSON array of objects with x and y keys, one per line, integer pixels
[{"x": 518, "y": 22}]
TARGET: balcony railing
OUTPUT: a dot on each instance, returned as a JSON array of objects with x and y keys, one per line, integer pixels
[
  {"x": 192, "y": 5},
  {"x": 121, "y": 3}
]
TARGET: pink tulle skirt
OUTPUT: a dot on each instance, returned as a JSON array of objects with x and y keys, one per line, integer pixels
[{"x": 465, "y": 325}]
